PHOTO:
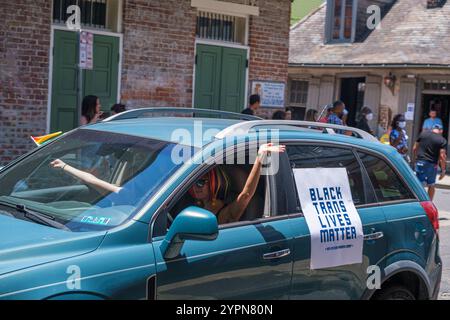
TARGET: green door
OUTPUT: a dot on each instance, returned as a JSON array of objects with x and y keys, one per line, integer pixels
[
  {"x": 233, "y": 79},
  {"x": 64, "y": 83},
  {"x": 101, "y": 81},
  {"x": 220, "y": 78}
]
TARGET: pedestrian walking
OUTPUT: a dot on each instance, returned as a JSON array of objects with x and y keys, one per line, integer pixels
[
  {"x": 279, "y": 115},
  {"x": 90, "y": 110},
  {"x": 344, "y": 116},
  {"x": 254, "y": 104},
  {"x": 336, "y": 113},
  {"x": 429, "y": 123},
  {"x": 311, "y": 115},
  {"x": 118, "y": 108},
  {"x": 365, "y": 117},
  {"x": 430, "y": 151},
  {"x": 324, "y": 118},
  {"x": 288, "y": 114},
  {"x": 398, "y": 137}
]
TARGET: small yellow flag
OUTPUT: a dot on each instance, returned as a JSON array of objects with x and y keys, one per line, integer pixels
[{"x": 385, "y": 139}]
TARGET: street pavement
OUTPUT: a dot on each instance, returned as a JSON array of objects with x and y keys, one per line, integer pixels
[{"x": 442, "y": 202}]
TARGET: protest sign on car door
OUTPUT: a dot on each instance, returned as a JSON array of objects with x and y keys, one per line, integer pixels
[{"x": 334, "y": 224}]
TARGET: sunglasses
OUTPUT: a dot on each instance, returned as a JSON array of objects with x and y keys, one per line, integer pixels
[{"x": 200, "y": 183}]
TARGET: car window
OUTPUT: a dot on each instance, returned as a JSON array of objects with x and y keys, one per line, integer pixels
[
  {"x": 387, "y": 184},
  {"x": 230, "y": 181},
  {"x": 284, "y": 189},
  {"x": 307, "y": 156},
  {"x": 135, "y": 166}
]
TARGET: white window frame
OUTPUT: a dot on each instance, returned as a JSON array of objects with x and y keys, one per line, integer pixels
[
  {"x": 293, "y": 103},
  {"x": 232, "y": 9},
  {"x": 107, "y": 20},
  {"x": 329, "y": 24}
]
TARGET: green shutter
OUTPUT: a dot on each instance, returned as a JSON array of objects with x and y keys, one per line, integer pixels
[
  {"x": 220, "y": 78},
  {"x": 102, "y": 80},
  {"x": 233, "y": 79},
  {"x": 207, "y": 77},
  {"x": 64, "y": 82}
]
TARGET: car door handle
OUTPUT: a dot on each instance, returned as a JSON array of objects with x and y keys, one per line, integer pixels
[
  {"x": 276, "y": 254},
  {"x": 374, "y": 236}
]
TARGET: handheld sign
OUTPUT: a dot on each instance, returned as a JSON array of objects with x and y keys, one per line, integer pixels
[{"x": 334, "y": 224}]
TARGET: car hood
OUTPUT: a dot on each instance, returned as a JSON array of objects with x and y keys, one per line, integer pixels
[{"x": 24, "y": 244}]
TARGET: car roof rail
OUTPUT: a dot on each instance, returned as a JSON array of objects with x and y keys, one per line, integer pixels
[
  {"x": 245, "y": 127},
  {"x": 170, "y": 112}
]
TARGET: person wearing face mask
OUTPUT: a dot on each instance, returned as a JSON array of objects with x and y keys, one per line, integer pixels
[
  {"x": 344, "y": 116},
  {"x": 365, "y": 118},
  {"x": 398, "y": 137},
  {"x": 433, "y": 120}
]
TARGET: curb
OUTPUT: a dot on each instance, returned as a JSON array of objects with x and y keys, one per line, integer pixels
[{"x": 443, "y": 186}]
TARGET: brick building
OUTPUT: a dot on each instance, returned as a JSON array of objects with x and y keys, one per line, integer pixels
[
  {"x": 401, "y": 66},
  {"x": 182, "y": 53}
]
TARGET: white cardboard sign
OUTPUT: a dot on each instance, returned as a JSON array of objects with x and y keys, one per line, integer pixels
[
  {"x": 86, "y": 50},
  {"x": 334, "y": 224}
]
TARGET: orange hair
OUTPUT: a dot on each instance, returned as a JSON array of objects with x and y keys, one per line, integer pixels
[{"x": 213, "y": 185}]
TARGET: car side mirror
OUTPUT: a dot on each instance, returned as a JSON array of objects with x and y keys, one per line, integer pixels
[{"x": 193, "y": 223}]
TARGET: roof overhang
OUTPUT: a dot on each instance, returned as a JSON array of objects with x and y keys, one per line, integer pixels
[{"x": 370, "y": 65}]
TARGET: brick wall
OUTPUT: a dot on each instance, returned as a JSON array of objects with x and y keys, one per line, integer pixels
[
  {"x": 157, "y": 64},
  {"x": 24, "y": 58},
  {"x": 158, "y": 55},
  {"x": 269, "y": 44},
  {"x": 159, "y": 40}
]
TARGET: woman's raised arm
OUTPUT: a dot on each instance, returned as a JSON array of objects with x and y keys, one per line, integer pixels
[
  {"x": 85, "y": 177},
  {"x": 234, "y": 211}
]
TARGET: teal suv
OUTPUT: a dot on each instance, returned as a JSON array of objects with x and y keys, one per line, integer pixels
[{"x": 112, "y": 211}]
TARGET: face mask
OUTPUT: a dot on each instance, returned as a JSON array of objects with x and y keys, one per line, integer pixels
[
  {"x": 369, "y": 117},
  {"x": 402, "y": 124},
  {"x": 345, "y": 112}
]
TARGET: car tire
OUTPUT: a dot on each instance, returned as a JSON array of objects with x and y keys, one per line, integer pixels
[{"x": 394, "y": 293}]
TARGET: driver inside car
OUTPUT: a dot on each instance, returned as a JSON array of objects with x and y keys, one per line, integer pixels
[{"x": 204, "y": 190}]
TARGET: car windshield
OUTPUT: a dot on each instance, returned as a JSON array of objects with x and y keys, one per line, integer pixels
[{"x": 135, "y": 166}]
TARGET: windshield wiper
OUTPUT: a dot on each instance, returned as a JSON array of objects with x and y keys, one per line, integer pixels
[{"x": 40, "y": 217}]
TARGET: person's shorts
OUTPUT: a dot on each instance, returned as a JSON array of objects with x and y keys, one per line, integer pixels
[{"x": 426, "y": 172}]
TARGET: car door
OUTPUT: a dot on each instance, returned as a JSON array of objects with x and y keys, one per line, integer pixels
[
  {"x": 249, "y": 259},
  {"x": 409, "y": 231},
  {"x": 348, "y": 281}
]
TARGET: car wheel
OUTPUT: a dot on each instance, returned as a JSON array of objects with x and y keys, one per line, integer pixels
[{"x": 394, "y": 293}]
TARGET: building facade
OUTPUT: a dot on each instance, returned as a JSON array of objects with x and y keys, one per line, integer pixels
[
  {"x": 399, "y": 65},
  {"x": 146, "y": 53}
]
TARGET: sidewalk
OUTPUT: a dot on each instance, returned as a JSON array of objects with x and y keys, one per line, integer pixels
[{"x": 444, "y": 183}]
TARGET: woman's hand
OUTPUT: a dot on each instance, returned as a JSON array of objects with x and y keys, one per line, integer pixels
[
  {"x": 58, "y": 164},
  {"x": 270, "y": 147},
  {"x": 97, "y": 117},
  {"x": 266, "y": 149}
]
